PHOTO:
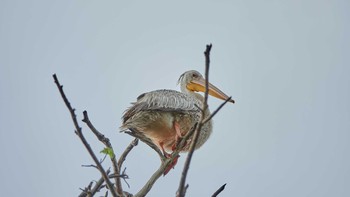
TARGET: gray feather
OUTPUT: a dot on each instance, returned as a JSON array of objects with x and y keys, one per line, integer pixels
[{"x": 163, "y": 100}]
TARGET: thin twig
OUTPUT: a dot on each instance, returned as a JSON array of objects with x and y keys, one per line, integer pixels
[
  {"x": 108, "y": 144},
  {"x": 207, "y": 64},
  {"x": 126, "y": 177},
  {"x": 219, "y": 190},
  {"x": 79, "y": 132},
  {"x": 89, "y": 166},
  {"x": 216, "y": 111},
  {"x": 182, "y": 189},
  {"x": 127, "y": 151},
  {"x": 123, "y": 175},
  {"x": 199, "y": 108},
  {"x": 87, "y": 190},
  {"x": 96, "y": 188}
]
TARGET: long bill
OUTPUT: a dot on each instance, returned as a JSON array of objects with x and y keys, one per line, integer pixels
[{"x": 198, "y": 85}]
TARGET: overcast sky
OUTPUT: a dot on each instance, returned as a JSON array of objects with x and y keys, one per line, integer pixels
[{"x": 286, "y": 64}]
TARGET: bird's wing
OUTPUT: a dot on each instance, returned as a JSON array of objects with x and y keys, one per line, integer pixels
[{"x": 163, "y": 100}]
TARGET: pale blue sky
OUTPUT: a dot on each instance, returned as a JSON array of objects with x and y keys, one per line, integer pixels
[{"x": 286, "y": 63}]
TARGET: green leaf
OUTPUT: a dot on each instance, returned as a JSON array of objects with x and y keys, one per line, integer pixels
[{"x": 108, "y": 151}]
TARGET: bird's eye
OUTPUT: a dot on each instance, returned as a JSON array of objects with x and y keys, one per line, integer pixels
[{"x": 194, "y": 75}]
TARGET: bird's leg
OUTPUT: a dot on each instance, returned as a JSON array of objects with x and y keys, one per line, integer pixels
[
  {"x": 161, "y": 145},
  {"x": 178, "y": 135},
  {"x": 167, "y": 155}
]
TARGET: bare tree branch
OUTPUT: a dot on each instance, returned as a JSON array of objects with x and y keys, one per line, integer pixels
[
  {"x": 219, "y": 190},
  {"x": 181, "y": 190},
  {"x": 79, "y": 132},
  {"x": 108, "y": 144}
]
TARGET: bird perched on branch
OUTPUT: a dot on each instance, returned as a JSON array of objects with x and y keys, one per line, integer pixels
[{"x": 164, "y": 116}]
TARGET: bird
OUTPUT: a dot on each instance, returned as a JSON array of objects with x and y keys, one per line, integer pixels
[{"x": 164, "y": 116}]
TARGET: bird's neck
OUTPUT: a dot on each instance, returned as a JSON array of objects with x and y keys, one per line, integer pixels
[
  {"x": 198, "y": 96},
  {"x": 184, "y": 89},
  {"x": 192, "y": 93}
]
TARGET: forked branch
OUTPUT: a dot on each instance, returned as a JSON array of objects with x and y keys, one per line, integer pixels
[{"x": 79, "y": 133}]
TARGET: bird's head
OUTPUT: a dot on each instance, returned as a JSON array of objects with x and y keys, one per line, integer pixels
[{"x": 192, "y": 81}]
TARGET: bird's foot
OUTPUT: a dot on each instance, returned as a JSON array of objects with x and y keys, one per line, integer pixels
[
  {"x": 167, "y": 155},
  {"x": 171, "y": 165},
  {"x": 176, "y": 143}
]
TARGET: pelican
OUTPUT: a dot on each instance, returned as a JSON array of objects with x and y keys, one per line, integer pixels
[{"x": 164, "y": 116}]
